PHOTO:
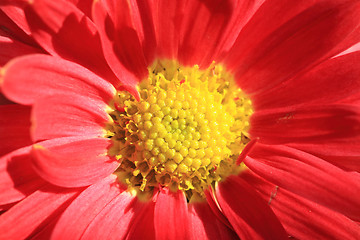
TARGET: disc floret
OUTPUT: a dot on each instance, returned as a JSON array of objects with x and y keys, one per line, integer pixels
[{"x": 185, "y": 132}]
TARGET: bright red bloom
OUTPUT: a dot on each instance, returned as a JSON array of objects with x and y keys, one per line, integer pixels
[{"x": 293, "y": 60}]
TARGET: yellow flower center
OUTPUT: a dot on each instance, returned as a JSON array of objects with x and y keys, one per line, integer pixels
[{"x": 186, "y": 131}]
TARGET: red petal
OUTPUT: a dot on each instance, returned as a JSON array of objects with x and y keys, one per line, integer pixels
[
  {"x": 73, "y": 161},
  {"x": 115, "y": 220},
  {"x": 250, "y": 216},
  {"x": 328, "y": 82},
  {"x": 344, "y": 153},
  {"x": 14, "y": 127},
  {"x": 35, "y": 211},
  {"x": 51, "y": 76},
  {"x": 302, "y": 218},
  {"x": 283, "y": 39},
  {"x": 14, "y": 23},
  {"x": 17, "y": 178},
  {"x": 127, "y": 63},
  {"x": 63, "y": 30},
  {"x": 171, "y": 211},
  {"x": 308, "y": 176},
  {"x": 352, "y": 49},
  {"x": 84, "y": 6},
  {"x": 306, "y": 124},
  {"x": 204, "y": 224},
  {"x": 11, "y": 48},
  {"x": 202, "y": 38},
  {"x": 82, "y": 211},
  {"x": 143, "y": 225},
  {"x": 4, "y": 100},
  {"x": 68, "y": 115}
]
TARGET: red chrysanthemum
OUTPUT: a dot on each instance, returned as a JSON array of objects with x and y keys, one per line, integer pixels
[{"x": 154, "y": 119}]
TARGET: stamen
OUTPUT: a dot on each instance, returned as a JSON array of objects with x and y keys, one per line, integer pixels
[{"x": 186, "y": 131}]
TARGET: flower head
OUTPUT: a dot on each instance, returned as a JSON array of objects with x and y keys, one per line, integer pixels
[{"x": 179, "y": 119}]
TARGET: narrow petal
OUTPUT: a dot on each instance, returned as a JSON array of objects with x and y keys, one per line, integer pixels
[
  {"x": 73, "y": 161},
  {"x": 250, "y": 216},
  {"x": 343, "y": 153},
  {"x": 282, "y": 40},
  {"x": 203, "y": 224},
  {"x": 14, "y": 24},
  {"x": 82, "y": 211},
  {"x": 202, "y": 38},
  {"x": 114, "y": 221},
  {"x": 143, "y": 225},
  {"x": 17, "y": 178},
  {"x": 14, "y": 127},
  {"x": 63, "y": 30},
  {"x": 308, "y": 176},
  {"x": 35, "y": 212},
  {"x": 51, "y": 76},
  {"x": 324, "y": 84},
  {"x": 171, "y": 211},
  {"x": 68, "y": 115},
  {"x": 302, "y": 218},
  {"x": 306, "y": 124},
  {"x": 127, "y": 63},
  {"x": 84, "y": 6},
  {"x": 10, "y": 48}
]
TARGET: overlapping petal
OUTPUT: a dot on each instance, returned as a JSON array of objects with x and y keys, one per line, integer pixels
[
  {"x": 85, "y": 208},
  {"x": 17, "y": 178},
  {"x": 171, "y": 210},
  {"x": 68, "y": 115},
  {"x": 249, "y": 215},
  {"x": 303, "y": 218},
  {"x": 35, "y": 212},
  {"x": 329, "y": 82},
  {"x": 308, "y": 176},
  {"x": 115, "y": 220},
  {"x": 51, "y": 76},
  {"x": 201, "y": 228},
  {"x": 282, "y": 40},
  {"x": 74, "y": 161},
  {"x": 65, "y": 31},
  {"x": 14, "y": 127}
]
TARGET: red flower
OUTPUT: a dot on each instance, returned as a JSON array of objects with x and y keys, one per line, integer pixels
[{"x": 118, "y": 134}]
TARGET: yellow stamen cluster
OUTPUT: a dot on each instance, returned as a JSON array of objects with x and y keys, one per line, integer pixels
[{"x": 185, "y": 132}]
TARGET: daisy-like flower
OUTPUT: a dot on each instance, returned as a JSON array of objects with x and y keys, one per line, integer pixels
[{"x": 156, "y": 119}]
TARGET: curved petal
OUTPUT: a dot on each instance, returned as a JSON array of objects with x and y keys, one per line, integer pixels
[
  {"x": 68, "y": 115},
  {"x": 202, "y": 38},
  {"x": 82, "y": 211},
  {"x": 203, "y": 224},
  {"x": 307, "y": 124},
  {"x": 250, "y": 216},
  {"x": 143, "y": 225},
  {"x": 14, "y": 127},
  {"x": 128, "y": 63},
  {"x": 171, "y": 211},
  {"x": 344, "y": 153},
  {"x": 10, "y": 48},
  {"x": 73, "y": 161},
  {"x": 284, "y": 39},
  {"x": 328, "y": 82},
  {"x": 51, "y": 76},
  {"x": 63, "y": 30},
  {"x": 17, "y": 178},
  {"x": 302, "y": 218},
  {"x": 35, "y": 212},
  {"x": 115, "y": 220},
  {"x": 84, "y": 6},
  {"x": 308, "y": 176},
  {"x": 14, "y": 24}
]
